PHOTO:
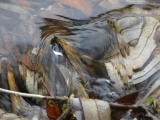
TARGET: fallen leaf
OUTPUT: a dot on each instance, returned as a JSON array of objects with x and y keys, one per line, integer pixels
[
  {"x": 24, "y": 58},
  {"x": 17, "y": 102},
  {"x": 128, "y": 99},
  {"x": 71, "y": 56},
  {"x": 53, "y": 110}
]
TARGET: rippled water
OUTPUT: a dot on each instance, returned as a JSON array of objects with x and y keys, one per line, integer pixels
[{"x": 120, "y": 39}]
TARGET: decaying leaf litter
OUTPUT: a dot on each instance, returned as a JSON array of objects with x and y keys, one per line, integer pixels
[{"x": 101, "y": 59}]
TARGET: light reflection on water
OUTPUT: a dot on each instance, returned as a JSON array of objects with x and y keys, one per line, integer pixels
[
  {"x": 20, "y": 21},
  {"x": 23, "y": 19}
]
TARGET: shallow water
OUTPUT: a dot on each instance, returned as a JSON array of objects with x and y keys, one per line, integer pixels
[
  {"x": 118, "y": 37},
  {"x": 25, "y": 20}
]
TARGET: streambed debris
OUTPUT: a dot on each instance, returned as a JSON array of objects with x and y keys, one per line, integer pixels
[
  {"x": 102, "y": 59},
  {"x": 32, "y": 95},
  {"x": 66, "y": 111},
  {"x": 57, "y": 98}
]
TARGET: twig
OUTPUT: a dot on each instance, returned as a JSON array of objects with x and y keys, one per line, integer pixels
[
  {"x": 45, "y": 86},
  {"x": 59, "y": 98},
  {"x": 64, "y": 114},
  {"x": 123, "y": 106},
  {"x": 32, "y": 95}
]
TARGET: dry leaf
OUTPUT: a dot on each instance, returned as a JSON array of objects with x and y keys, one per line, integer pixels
[
  {"x": 95, "y": 109},
  {"x": 128, "y": 99},
  {"x": 17, "y": 102},
  {"x": 53, "y": 110}
]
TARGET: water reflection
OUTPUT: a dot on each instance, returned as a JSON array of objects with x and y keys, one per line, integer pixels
[
  {"x": 21, "y": 19},
  {"x": 115, "y": 38},
  {"x": 110, "y": 41}
]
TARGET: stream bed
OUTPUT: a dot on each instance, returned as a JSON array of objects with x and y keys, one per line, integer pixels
[{"x": 97, "y": 49}]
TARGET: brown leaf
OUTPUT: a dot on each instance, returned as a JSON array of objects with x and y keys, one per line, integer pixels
[
  {"x": 72, "y": 57},
  {"x": 17, "y": 102},
  {"x": 53, "y": 110},
  {"x": 128, "y": 99},
  {"x": 24, "y": 58}
]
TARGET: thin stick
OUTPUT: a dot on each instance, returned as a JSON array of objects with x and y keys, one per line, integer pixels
[
  {"x": 45, "y": 86},
  {"x": 64, "y": 114},
  {"x": 58, "y": 98},
  {"x": 32, "y": 95},
  {"x": 123, "y": 106}
]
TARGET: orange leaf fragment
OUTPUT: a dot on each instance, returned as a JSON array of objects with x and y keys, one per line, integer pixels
[{"x": 53, "y": 110}]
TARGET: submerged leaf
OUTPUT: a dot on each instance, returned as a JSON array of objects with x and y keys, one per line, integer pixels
[
  {"x": 151, "y": 101},
  {"x": 63, "y": 107},
  {"x": 16, "y": 101},
  {"x": 53, "y": 110},
  {"x": 128, "y": 99},
  {"x": 72, "y": 57}
]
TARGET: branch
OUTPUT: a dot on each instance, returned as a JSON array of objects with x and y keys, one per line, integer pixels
[{"x": 32, "y": 95}]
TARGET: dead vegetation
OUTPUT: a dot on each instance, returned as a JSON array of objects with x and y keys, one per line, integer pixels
[{"x": 99, "y": 68}]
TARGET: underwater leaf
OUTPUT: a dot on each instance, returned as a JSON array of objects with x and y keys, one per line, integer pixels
[
  {"x": 151, "y": 101},
  {"x": 16, "y": 101},
  {"x": 53, "y": 110},
  {"x": 63, "y": 107},
  {"x": 71, "y": 56},
  {"x": 128, "y": 99},
  {"x": 154, "y": 104}
]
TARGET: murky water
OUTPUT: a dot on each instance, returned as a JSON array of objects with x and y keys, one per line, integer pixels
[{"x": 116, "y": 40}]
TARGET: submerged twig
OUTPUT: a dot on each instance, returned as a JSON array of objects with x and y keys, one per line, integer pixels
[
  {"x": 64, "y": 114},
  {"x": 47, "y": 89},
  {"x": 32, "y": 95},
  {"x": 123, "y": 106},
  {"x": 59, "y": 98}
]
